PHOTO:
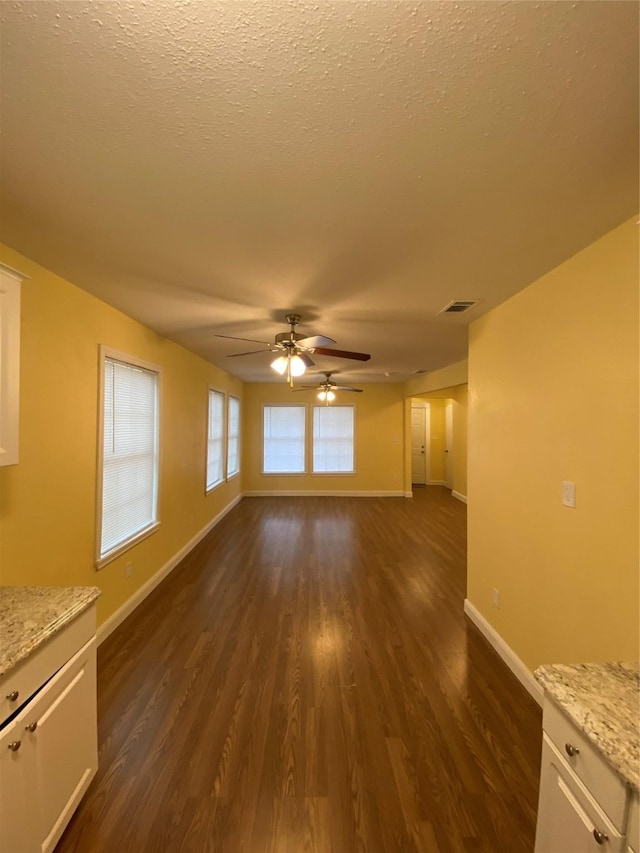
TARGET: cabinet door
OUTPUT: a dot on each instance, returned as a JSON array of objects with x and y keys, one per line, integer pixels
[
  {"x": 63, "y": 717},
  {"x": 17, "y": 795},
  {"x": 567, "y": 814},
  {"x": 633, "y": 829}
]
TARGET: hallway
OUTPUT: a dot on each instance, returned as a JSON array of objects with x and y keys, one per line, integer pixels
[{"x": 306, "y": 681}]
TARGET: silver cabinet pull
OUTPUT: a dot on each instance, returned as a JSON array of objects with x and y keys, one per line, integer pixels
[
  {"x": 14, "y": 746},
  {"x": 13, "y": 695},
  {"x": 32, "y": 726},
  {"x": 571, "y": 750},
  {"x": 600, "y": 837}
]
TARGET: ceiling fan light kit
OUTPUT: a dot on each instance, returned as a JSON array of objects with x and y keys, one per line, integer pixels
[
  {"x": 326, "y": 391},
  {"x": 296, "y": 365},
  {"x": 294, "y": 350},
  {"x": 280, "y": 364}
]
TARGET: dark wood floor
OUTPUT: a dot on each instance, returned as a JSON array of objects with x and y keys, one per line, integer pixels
[{"x": 306, "y": 681}]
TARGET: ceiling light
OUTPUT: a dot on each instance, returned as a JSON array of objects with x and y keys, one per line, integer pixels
[
  {"x": 326, "y": 396},
  {"x": 297, "y": 366},
  {"x": 290, "y": 364},
  {"x": 280, "y": 364}
]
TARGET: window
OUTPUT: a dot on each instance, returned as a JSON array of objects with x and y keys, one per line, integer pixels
[
  {"x": 333, "y": 440},
  {"x": 215, "y": 439},
  {"x": 283, "y": 439},
  {"x": 128, "y": 453},
  {"x": 233, "y": 437}
]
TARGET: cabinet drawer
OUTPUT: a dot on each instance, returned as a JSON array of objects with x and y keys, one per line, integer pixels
[
  {"x": 587, "y": 763},
  {"x": 568, "y": 816},
  {"x": 35, "y": 670}
]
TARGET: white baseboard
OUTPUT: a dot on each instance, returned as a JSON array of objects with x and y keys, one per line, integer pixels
[
  {"x": 408, "y": 494},
  {"x": 436, "y": 483},
  {"x": 459, "y": 496},
  {"x": 117, "y": 618},
  {"x": 517, "y": 667},
  {"x": 323, "y": 494}
]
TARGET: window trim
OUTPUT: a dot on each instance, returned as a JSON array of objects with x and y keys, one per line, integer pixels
[
  {"x": 305, "y": 471},
  {"x": 313, "y": 441},
  {"x": 105, "y": 353},
  {"x": 223, "y": 441},
  {"x": 229, "y": 476}
]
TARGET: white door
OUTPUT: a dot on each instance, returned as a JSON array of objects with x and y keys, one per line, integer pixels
[
  {"x": 419, "y": 445},
  {"x": 448, "y": 447}
]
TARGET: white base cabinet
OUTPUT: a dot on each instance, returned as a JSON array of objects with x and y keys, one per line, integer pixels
[
  {"x": 48, "y": 755},
  {"x": 569, "y": 819},
  {"x": 583, "y": 805}
]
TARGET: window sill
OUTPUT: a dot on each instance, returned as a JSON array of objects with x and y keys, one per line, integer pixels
[{"x": 101, "y": 562}]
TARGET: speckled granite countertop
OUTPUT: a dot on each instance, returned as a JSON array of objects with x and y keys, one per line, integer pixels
[
  {"x": 603, "y": 701},
  {"x": 31, "y": 615}
]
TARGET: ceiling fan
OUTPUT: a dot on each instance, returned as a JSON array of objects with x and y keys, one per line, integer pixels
[
  {"x": 326, "y": 390},
  {"x": 294, "y": 349}
]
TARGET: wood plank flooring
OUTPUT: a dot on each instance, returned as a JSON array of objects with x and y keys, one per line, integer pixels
[{"x": 306, "y": 681}]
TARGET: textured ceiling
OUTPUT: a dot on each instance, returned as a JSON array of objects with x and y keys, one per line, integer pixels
[{"x": 209, "y": 166}]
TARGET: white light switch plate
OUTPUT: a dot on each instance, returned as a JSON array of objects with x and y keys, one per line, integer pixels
[{"x": 568, "y": 494}]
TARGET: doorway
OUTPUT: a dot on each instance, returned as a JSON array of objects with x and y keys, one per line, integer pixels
[{"x": 419, "y": 444}]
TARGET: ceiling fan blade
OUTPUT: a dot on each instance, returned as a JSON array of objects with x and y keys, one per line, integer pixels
[
  {"x": 251, "y": 340},
  {"x": 341, "y": 353},
  {"x": 305, "y": 358},
  {"x": 251, "y": 352},
  {"x": 316, "y": 341},
  {"x": 346, "y": 388}
]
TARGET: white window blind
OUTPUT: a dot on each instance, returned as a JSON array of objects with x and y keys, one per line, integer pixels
[
  {"x": 129, "y": 458},
  {"x": 333, "y": 439},
  {"x": 233, "y": 437},
  {"x": 215, "y": 439},
  {"x": 283, "y": 439}
]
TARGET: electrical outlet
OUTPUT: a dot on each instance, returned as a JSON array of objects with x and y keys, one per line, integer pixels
[
  {"x": 128, "y": 570},
  {"x": 496, "y": 598}
]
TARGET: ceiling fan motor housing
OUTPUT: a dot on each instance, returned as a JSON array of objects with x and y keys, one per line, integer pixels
[{"x": 288, "y": 337}]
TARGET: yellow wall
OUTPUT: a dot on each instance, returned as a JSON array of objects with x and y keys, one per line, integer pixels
[
  {"x": 553, "y": 396},
  {"x": 379, "y": 430},
  {"x": 460, "y": 439},
  {"x": 448, "y": 377},
  {"x": 47, "y": 500}
]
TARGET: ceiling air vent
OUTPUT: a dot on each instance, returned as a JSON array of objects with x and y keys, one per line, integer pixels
[{"x": 459, "y": 306}]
